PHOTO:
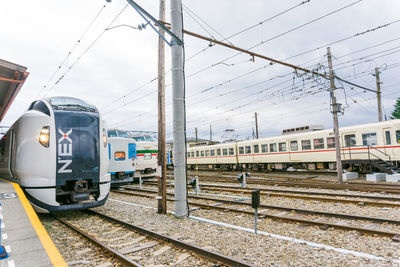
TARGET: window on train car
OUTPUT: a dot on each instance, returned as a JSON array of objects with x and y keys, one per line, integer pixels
[
  {"x": 294, "y": 146},
  {"x": 369, "y": 139},
  {"x": 207, "y": 153},
  {"x": 306, "y": 144},
  {"x": 282, "y": 147},
  {"x": 197, "y": 153},
  {"x": 272, "y": 148},
  {"x": 112, "y": 133},
  {"x": 192, "y": 154},
  {"x": 248, "y": 149},
  {"x": 212, "y": 152},
  {"x": 188, "y": 154},
  {"x": 388, "y": 140},
  {"x": 2, "y": 147},
  {"x": 202, "y": 153},
  {"x": 231, "y": 151},
  {"x": 398, "y": 136},
  {"x": 256, "y": 149},
  {"x": 350, "y": 139},
  {"x": 225, "y": 151},
  {"x": 123, "y": 134},
  {"x": 218, "y": 152},
  {"x": 264, "y": 148},
  {"x": 330, "y": 142},
  {"x": 241, "y": 150},
  {"x": 319, "y": 143},
  {"x": 40, "y": 106}
]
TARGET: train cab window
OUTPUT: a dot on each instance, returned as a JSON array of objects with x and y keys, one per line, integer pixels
[
  {"x": 319, "y": 143},
  {"x": 112, "y": 133},
  {"x": 241, "y": 150},
  {"x": 388, "y": 140},
  {"x": 369, "y": 139},
  {"x": 272, "y": 148},
  {"x": 231, "y": 151},
  {"x": 218, "y": 152},
  {"x": 330, "y": 142},
  {"x": 225, "y": 151},
  {"x": 248, "y": 149},
  {"x": 306, "y": 144},
  {"x": 207, "y": 153},
  {"x": 256, "y": 149},
  {"x": 197, "y": 153},
  {"x": 350, "y": 139},
  {"x": 212, "y": 152},
  {"x": 294, "y": 146},
  {"x": 202, "y": 153},
  {"x": 398, "y": 136},
  {"x": 264, "y": 148},
  {"x": 40, "y": 106},
  {"x": 282, "y": 147},
  {"x": 192, "y": 154}
]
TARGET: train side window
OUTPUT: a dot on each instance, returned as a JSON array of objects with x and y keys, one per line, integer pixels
[
  {"x": 112, "y": 133},
  {"x": 231, "y": 151},
  {"x": 306, "y": 144},
  {"x": 369, "y": 139},
  {"x": 330, "y": 142},
  {"x": 225, "y": 151},
  {"x": 218, "y": 152},
  {"x": 197, "y": 153},
  {"x": 350, "y": 139},
  {"x": 40, "y": 106},
  {"x": 241, "y": 150},
  {"x": 319, "y": 143},
  {"x": 207, "y": 153},
  {"x": 256, "y": 149},
  {"x": 387, "y": 138},
  {"x": 202, "y": 153},
  {"x": 192, "y": 154},
  {"x": 272, "y": 148},
  {"x": 264, "y": 148},
  {"x": 248, "y": 149},
  {"x": 188, "y": 154},
  {"x": 212, "y": 152},
  {"x": 398, "y": 136},
  {"x": 294, "y": 146},
  {"x": 282, "y": 147}
]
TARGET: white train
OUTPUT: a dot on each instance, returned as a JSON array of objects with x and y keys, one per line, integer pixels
[
  {"x": 122, "y": 156},
  {"x": 57, "y": 152},
  {"x": 374, "y": 145},
  {"x": 147, "y": 156}
]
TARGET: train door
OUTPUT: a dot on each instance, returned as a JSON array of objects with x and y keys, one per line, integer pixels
[
  {"x": 387, "y": 139},
  {"x": 293, "y": 150},
  {"x": 12, "y": 152},
  {"x": 348, "y": 140}
]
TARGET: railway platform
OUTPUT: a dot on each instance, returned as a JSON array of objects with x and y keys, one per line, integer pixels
[{"x": 22, "y": 234}]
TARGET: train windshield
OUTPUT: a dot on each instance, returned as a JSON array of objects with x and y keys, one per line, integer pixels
[
  {"x": 123, "y": 134},
  {"x": 70, "y": 103},
  {"x": 143, "y": 138}
]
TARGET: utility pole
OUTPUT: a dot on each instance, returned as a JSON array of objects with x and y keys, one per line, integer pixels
[
  {"x": 210, "y": 133},
  {"x": 195, "y": 133},
  {"x": 178, "y": 110},
  {"x": 335, "y": 111},
  {"x": 378, "y": 94},
  {"x": 162, "y": 181},
  {"x": 255, "y": 115}
]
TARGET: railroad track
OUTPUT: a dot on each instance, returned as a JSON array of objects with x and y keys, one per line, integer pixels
[
  {"x": 287, "y": 215},
  {"x": 136, "y": 239}
]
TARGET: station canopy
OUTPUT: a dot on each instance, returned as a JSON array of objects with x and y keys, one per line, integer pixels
[{"x": 12, "y": 77}]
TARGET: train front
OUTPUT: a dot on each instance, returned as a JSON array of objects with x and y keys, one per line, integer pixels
[{"x": 78, "y": 139}]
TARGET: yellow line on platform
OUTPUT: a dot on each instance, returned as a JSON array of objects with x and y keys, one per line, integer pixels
[{"x": 53, "y": 253}]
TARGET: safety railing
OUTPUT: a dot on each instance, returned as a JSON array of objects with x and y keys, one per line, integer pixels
[{"x": 350, "y": 152}]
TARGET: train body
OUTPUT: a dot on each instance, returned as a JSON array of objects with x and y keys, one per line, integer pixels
[
  {"x": 57, "y": 152},
  {"x": 147, "y": 156},
  {"x": 310, "y": 150},
  {"x": 122, "y": 156}
]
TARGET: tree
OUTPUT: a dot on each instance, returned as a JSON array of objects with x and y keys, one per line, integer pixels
[{"x": 396, "y": 111}]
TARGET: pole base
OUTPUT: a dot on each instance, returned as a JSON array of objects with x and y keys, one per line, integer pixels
[{"x": 3, "y": 253}]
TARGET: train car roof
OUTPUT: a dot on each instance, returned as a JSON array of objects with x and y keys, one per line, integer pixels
[{"x": 12, "y": 77}]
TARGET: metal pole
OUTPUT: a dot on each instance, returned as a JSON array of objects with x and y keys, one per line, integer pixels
[
  {"x": 255, "y": 115},
  {"x": 162, "y": 161},
  {"x": 335, "y": 119},
  {"x": 255, "y": 220},
  {"x": 210, "y": 133},
  {"x": 378, "y": 94},
  {"x": 195, "y": 132},
  {"x": 178, "y": 110}
]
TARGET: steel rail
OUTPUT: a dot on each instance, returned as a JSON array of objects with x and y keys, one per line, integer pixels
[
  {"x": 214, "y": 256},
  {"x": 125, "y": 261}
]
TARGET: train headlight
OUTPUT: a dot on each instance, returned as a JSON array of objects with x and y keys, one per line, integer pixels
[
  {"x": 104, "y": 138},
  {"x": 119, "y": 155},
  {"x": 44, "y": 137}
]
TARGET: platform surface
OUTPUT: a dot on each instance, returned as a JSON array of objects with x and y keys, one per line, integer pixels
[{"x": 22, "y": 234}]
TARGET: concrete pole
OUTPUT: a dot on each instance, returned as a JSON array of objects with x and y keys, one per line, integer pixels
[
  {"x": 335, "y": 119},
  {"x": 178, "y": 110},
  {"x": 195, "y": 132},
  {"x": 378, "y": 94},
  {"x": 210, "y": 133},
  {"x": 255, "y": 115},
  {"x": 162, "y": 161}
]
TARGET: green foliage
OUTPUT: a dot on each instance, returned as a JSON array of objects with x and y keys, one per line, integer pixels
[{"x": 396, "y": 111}]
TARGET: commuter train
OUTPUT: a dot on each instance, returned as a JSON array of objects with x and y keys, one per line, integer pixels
[
  {"x": 57, "y": 152},
  {"x": 146, "y": 157},
  {"x": 122, "y": 155},
  {"x": 374, "y": 143}
]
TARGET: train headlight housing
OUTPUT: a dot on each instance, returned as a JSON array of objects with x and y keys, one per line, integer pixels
[
  {"x": 44, "y": 137},
  {"x": 104, "y": 138},
  {"x": 119, "y": 155}
]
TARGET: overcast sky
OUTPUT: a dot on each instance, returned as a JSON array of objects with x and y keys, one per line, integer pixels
[{"x": 117, "y": 73}]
